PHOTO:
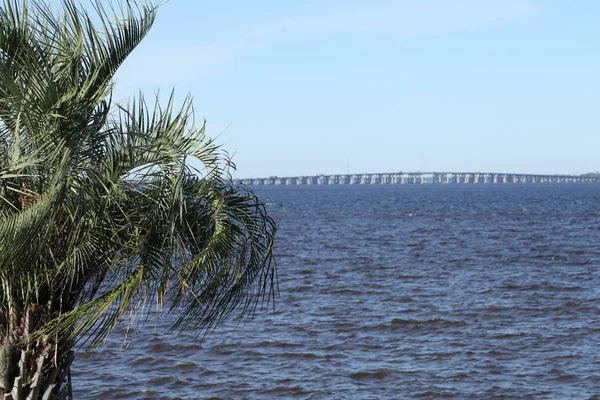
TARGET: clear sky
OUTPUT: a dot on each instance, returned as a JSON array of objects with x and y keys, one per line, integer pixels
[{"x": 331, "y": 86}]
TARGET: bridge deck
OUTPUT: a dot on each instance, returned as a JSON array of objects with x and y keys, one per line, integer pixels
[{"x": 417, "y": 178}]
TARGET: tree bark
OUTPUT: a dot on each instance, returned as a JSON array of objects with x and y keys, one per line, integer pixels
[{"x": 32, "y": 369}]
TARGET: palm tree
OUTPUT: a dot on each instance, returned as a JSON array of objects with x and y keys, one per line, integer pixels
[{"x": 101, "y": 215}]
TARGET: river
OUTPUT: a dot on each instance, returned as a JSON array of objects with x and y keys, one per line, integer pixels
[{"x": 408, "y": 291}]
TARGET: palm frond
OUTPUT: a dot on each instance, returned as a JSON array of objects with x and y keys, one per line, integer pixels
[{"x": 101, "y": 214}]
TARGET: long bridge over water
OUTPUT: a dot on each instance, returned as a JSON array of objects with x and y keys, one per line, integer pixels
[{"x": 398, "y": 178}]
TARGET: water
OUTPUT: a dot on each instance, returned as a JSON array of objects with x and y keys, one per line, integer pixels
[{"x": 424, "y": 291}]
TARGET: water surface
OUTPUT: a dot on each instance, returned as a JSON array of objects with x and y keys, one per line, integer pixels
[{"x": 412, "y": 291}]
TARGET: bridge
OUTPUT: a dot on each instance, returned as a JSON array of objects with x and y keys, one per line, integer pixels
[{"x": 400, "y": 178}]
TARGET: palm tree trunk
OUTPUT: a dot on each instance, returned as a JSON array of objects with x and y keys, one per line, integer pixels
[{"x": 33, "y": 369}]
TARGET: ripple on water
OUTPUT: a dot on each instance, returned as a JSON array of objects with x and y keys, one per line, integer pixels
[
  {"x": 409, "y": 291},
  {"x": 370, "y": 375}
]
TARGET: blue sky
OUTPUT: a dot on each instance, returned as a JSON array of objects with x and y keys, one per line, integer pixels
[{"x": 310, "y": 87}]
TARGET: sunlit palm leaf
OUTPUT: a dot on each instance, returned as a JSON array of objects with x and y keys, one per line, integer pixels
[{"x": 101, "y": 214}]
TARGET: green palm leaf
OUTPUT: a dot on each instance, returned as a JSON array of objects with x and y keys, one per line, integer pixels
[{"x": 101, "y": 214}]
